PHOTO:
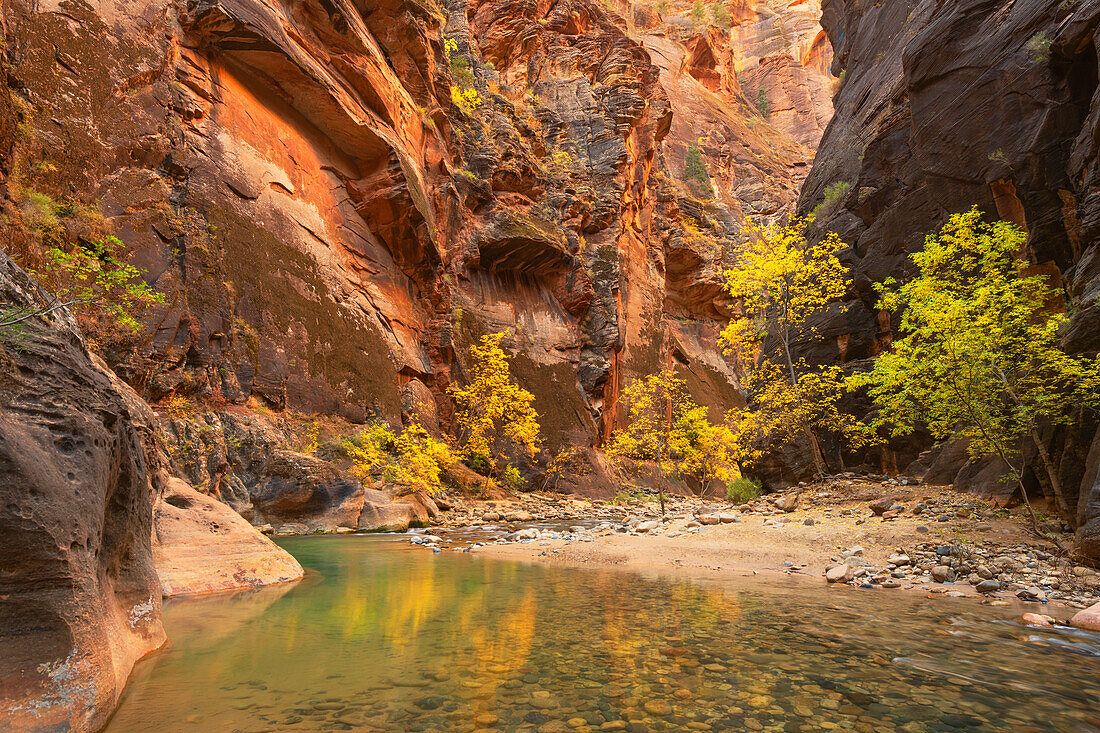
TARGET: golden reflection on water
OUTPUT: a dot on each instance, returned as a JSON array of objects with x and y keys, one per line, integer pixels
[{"x": 381, "y": 636}]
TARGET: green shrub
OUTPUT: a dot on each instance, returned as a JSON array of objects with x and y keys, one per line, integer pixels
[
  {"x": 1039, "y": 45},
  {"x": 743, "y": 489},
  {"x": 720, "y": 16},
  {"x": 512, "y": 478},
  {"x": 834, "y": 192},
  {"x": 762, "y": 101},
  {"x": 478, "y": 463},
  {"x": 695, "y": 172},
  {"x": 698, "y": 12}
]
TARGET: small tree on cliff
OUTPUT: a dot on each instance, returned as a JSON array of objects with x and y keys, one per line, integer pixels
[
  {"x": 782, "y": 281},
  {"x": 106, "y": 294},
  {"x": 494, "y": 413},
  {"x": 720, "y": 15},
  {"x": 978, "y": 356}
]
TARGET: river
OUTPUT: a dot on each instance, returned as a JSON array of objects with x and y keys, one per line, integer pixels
[{"x": 383, "y": 636}]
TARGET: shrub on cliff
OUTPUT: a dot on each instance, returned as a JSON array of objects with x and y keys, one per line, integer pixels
[
  {"x": 106, "y": 294},
  {"x": 834, "y": 192},
  {"x": 495, "y": 415},
  {"x": 781, "y": 281},
  {"x": 978, "y": 356},
  {"x": 695, "y": 172},
  {"x": 720, "y": 16},
  {"x": 698, "y": 13}
]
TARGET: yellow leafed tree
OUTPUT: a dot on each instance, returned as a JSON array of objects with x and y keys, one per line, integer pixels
[
  {"x": 412, "y": 460},
  {"x": 782, "y": 280},
  {"x": 664, "y": 425},
  {"x": 494, "y": 413}
]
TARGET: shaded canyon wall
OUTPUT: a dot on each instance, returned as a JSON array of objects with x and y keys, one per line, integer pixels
[{"x": 943, "y": 106}]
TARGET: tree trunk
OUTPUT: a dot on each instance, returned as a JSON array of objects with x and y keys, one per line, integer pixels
[
  {"x": 1055, "y": 483},
  {"x": 1044, "y": 455},
  {"x": 815, "y": 447}
]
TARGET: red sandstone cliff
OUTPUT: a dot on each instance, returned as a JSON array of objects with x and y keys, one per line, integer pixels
[{"x": 331, "y": 220}]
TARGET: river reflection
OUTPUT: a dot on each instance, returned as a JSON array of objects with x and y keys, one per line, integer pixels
[{"x": 382, "y": 636}]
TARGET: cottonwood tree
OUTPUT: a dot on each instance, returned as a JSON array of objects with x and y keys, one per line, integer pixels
[
  {"x": 411, "y": 459},
  {"x": 708, "y": 451},
  {"x": 664, "y": 425},
  {"x": 978, "y": 356},
  {"x": 494, "y": 413},
  {"x": 781, "y": 281}
]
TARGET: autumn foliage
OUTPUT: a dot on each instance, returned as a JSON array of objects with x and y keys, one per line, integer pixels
[
  {"x": 978, "y": 356},
  {"x": 781, "y": 281},
  {"x": 495, "y": 416}
]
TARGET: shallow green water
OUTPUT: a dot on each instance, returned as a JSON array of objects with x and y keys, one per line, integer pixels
[{"x": 383, "y": 636}]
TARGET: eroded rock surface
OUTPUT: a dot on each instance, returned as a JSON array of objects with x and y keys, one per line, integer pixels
[
  {"x": 81, "y": 601},
  {"x": 337, "y": 199}
]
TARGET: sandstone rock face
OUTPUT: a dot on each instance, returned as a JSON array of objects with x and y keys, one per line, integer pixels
[
  {"x": 337, "y": 199},
  {"x": 244, "y": 460},
  {"x": 200, "y": 545},
  {"x": 81, "y": 601},
  {"x": 969, "y": 105}
]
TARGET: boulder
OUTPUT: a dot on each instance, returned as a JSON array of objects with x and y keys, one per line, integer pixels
[
  {"x": 881, "y": 506},
  {"x": 1036, "y": 619},
  {"x": 380, "y": 513},
  {"x": 200, "y": 545},
  {"x": 786, "y": 502},
  {"x": 943, "y": 574},
  {"x": 839, "y": 574},
  {"x": 1088, "y": 618}
]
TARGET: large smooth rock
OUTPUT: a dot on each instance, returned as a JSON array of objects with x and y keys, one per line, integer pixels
[
  {"x": 200, "y": 545},
  {"x": 79, "y": 596},
  {"x": 1088, "y": 618}
]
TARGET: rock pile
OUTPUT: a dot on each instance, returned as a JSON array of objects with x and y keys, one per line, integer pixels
[{"x": 1026, "y": 572}]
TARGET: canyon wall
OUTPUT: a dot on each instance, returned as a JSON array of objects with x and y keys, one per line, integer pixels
[
  {"x": 81, "y": 599},
  {"x": 337, "y": 198},
  {"x": 943, "y": 106}
]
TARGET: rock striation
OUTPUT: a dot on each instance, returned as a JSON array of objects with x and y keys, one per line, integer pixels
[{"x": 943, "y": 106}]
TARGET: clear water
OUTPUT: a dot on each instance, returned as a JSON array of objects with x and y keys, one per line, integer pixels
[{"x": 382, "y": 636}]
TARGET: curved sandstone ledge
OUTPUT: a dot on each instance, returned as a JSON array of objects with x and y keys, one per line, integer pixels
[{"x": 200, "y": 545}]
